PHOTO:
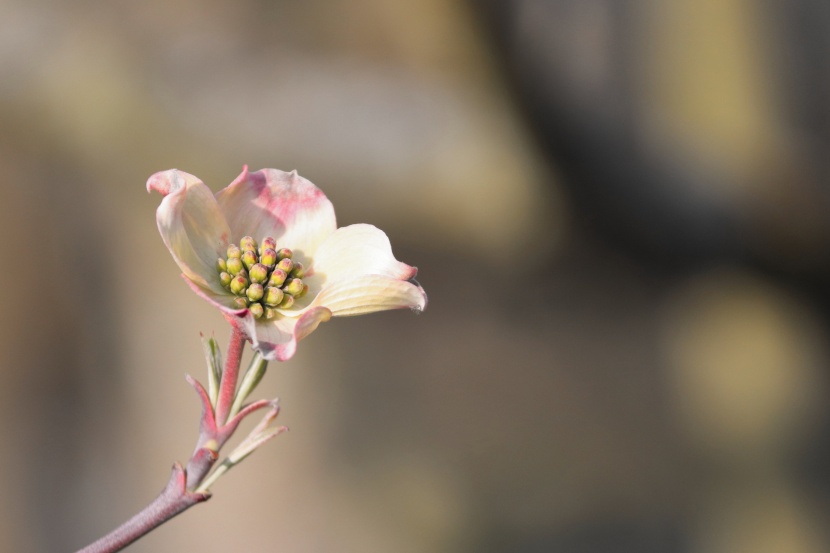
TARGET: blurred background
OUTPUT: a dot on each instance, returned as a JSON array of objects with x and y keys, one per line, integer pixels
[{"x": 619, "y": 210}]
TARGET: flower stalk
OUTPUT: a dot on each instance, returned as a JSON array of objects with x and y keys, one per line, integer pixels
[
  {"x": 189, "y": 486},
  {"x": 173, "y": 500},
  {"x": 230, "y": 375}
]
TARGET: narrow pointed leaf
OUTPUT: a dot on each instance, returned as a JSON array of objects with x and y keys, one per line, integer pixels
[
  {"x": 256, "y": 370},
  {"x": 215, "y": 366}
]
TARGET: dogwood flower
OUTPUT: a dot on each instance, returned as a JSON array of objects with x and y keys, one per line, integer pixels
[{"x": 267, "y": 252}]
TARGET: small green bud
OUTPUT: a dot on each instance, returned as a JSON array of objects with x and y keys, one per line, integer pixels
[
  {"x": 240, "y": 302},
  {"x": 259, "y": 273},
  {"x": 277, "y": 278},
  {"x": 298, "y": 271},
  {"x": 247, "y": 244},
  {"x": 287, "y": 301},
  {"x": 285, "y": 264},
  {"x": 249, "y": 259},
  {"x": 267, "y": 243},
  {"x": 270, "y": 313},
  {"x": 221, "y": 265},
  {"x": 284, "y": 253},
  {"x": 303, "y": 292},
  {"x": 268, "y": 257},
  {"x": 234, "y": 252},
  {"x": 255, "y": 292},
  {"x": 238, "y": 285},
  {"x": 256, "y": 310},
  {"x": 234, "y": 265},
  {"x": 273, "y": 296},
  {"x": 293, "y": 286},
  {"x": 225, "y": 279}
]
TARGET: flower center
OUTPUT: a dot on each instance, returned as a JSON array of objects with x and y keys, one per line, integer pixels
[{"x": 262, "y": 277}]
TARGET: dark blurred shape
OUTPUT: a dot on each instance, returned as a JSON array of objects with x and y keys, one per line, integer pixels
[
  {"x": 605, "y": 83},
  {"x": 611, "y": 536}
]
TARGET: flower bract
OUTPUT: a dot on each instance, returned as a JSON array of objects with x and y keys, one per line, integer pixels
[{"x": 267, "y": 252}]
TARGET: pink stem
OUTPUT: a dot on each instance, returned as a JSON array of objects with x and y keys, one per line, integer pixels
[
  {"x": 173, "y": 500},
  {"x": 227, "y": 388},
  {"x": 176, "y": 497}
]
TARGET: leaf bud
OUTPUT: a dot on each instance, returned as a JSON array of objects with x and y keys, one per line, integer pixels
[
  {"x": 221, "y": 265},
  {"x": 249, "y": 259},
  {"x": 293, "y": 286},
  {"x": 284, "y": 253},
  {"x": 298, "y": 271},
  {"x": 225, "y": 279},
  {"x": 256, "y": 310},
  {"x": 234, "y": 265},
  {"x": 234, "y": 252},
  {"x": 255, "y": 292},
  {"x": 285, "y": 264},
  {"x": 248, "y": 244},
  {"x": 268, "y": 257},
  {"x": 238, "y": 285},
  {"x": 287, "y": 301},
  {"x": 259, "y": 273},
  {"x": 267, "y": 243},
  {"x": 273, "y": 296},
  {"x": 277, "y": 278}
]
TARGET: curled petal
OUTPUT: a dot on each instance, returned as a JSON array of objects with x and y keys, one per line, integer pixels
[
  {"x": 358, "y": 250},
  {"x": 370, "y": 293},
  {"x": 283, "y": 205},
  {"x": 277, "y": 339},
  {"x": 191, "y": 225}
]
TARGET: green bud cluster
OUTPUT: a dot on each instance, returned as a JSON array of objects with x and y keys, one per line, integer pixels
[{"x": 261, "y": 277}]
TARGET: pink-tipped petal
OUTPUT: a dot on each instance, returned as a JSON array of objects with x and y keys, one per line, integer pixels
[
  {"x": 310, "y": 320},
  {"x": 370, "y": 293},
  {"x": 191, "y": 225},
  {"x": 358, "y": 250},
  {"x": 283, "y": 205},
  {"x": 277, "y": 339}
]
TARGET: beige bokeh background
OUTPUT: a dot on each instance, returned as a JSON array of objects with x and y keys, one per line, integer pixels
[{"x": 564, "y": 390}]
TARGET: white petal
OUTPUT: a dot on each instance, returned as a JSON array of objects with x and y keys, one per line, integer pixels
[
  {"x": 223, "y": 299},
  {"x": 370, "y": 293},
  {"x": 358, "y": 250},
  {"x": 277, "y": 338},
  {"x": 191, "y": 225},
  {"x": 283, "y": 205}
]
